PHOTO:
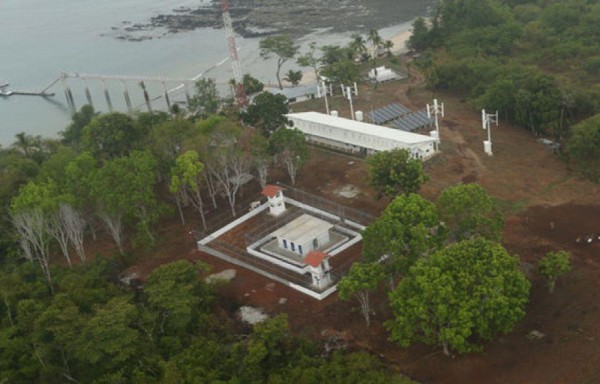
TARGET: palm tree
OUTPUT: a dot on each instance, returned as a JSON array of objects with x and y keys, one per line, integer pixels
[
  {"x": 26, "y": 144},
  {"x": 358, "y": 45},
  {"x": 375, "y": 41},
  {"x": 388, "y": 45}
]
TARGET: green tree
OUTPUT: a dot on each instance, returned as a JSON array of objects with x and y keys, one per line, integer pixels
[
  {"x": 111, "y": 135},
  {"x": 252, "y": 85},
  {"x": 419, "y": 39},
  {"x": 267, "y": 113},
  {"x": 388, "y": 45},
  {"x": 107, "y": 342},
  {"x": 206, "y": 100},
  {"x": 293, "y": 77},
  {"x": 554, "y": 265},
  {"x": 73, "y": 134},
  {"x": 289, "y": 146},
  {"x": 124, "y": 189},
  {"x": 280, "y": 46},
  {"x": 395, "y": 172},
  {"x": 583, "y": 148},
  {"x": 360, "y": 282},
  {"x": 359, "y": 46},
  {"x": 342, "y": 72},
  {"x": 185, "y": 183},
  {"x": 407, "y": 230},
  {"x": 458, "y": 297},
  {"x": 310, "y": 59},
  {"x": 468, "y": 212},
  {"x": 177, "y": 296}
]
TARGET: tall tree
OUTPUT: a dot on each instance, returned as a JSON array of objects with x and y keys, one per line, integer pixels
[
  {"x": 282, "y": 47},
  {"x": 124, "y": 189},
  {"x": 228, "y": 159},
  {"x": 468, "y": 212},
  {"x": 359, "y": 46},
  {"x": 419, "y": 39},
  {"x": 289, "y": 146},
  {"x": 395, "y": 172},
  {"x": 360, "y": 282},
  {"x": 461, "y": 295},
  {"x": 310, "y": 59},
  {"x": 583, "y": 148},
  {"x": 185, "y": 183},
  {"x": 388, "y": 45},
  {"x": 206, "y": 100},
  {"x": 261, "y": 158}
]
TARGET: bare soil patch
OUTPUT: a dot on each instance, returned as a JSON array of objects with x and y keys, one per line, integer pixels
[{"x": 535, "y": 189}]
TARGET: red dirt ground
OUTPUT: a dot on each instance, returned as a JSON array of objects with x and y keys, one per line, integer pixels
[{"x": 533, "y": 187}]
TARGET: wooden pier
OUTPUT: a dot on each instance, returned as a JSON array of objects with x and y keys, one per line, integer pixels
[{"x": 25, "y": 93}]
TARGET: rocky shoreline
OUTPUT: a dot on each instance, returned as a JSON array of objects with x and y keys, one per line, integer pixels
[{"x": 253, "y": 18}]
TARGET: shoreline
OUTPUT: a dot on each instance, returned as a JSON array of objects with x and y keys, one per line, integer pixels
[{"x": 399, "y": 39}]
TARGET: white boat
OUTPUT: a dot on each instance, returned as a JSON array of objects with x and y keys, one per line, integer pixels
[{"x": 3, "y": 90}]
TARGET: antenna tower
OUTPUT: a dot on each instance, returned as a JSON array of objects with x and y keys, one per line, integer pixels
[
  {"x": 435, "y": 109},
  {"x": 240, "y": 93},
  {"x": 486, "y": 120}
]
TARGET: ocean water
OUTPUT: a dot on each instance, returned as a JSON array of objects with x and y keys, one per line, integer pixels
[{"x": 39, "y": 39}]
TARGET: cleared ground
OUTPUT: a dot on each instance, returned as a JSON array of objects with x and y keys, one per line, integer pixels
[{"x": 547, "y": 208}]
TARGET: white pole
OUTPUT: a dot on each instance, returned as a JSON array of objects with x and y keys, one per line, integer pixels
[
  {"x": 349, "y": 93},
  {"x": 343, "y": 90},
  {"x": 355, "y": 89},
  {"x": 325, "y": 94}
]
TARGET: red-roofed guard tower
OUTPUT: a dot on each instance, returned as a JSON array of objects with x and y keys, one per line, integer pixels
[
  {"x": 318, "y": 266},
  {"x": 275, "y": 197}
]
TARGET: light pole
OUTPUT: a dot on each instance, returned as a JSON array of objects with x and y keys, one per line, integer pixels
[
  {"x": 325, "y": 94},
  {"x": 349, "y": 94},
  {"x": 435, "y": 110},
  {"x": 486, "y": 120}
]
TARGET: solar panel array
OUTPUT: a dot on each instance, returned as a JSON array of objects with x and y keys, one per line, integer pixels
[
  {"x": 388, "y": 113},
  {"x": 413, "y": 121}
]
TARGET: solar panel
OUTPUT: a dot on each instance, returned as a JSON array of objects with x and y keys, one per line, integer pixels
[
  {"x": 388, "y": 113},
  {"x": 413, "y": 121}
]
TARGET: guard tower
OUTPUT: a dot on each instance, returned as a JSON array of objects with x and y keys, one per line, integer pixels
[
  {"x": 275, "y": 197},
  {"x": 318, "y": 266}
]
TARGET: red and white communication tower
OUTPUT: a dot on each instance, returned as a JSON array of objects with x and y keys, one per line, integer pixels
[{"x": 240, "y": 93}]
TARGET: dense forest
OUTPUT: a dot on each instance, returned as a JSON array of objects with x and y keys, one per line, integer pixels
[
  {"x": 536, "y": 62},
  {"x": 66, "y": 317}
]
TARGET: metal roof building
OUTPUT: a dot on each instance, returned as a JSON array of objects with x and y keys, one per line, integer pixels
[{"x": 358, "y": 137}]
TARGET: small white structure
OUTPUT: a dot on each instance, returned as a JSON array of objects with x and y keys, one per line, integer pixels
[
  {"x": 383, "y": 74},
  {"x": 318, "y": 266},
  {"x": 298, "y": 93},
  {"x": 275, "y": 197},
  {"x": 303, "y": 235},
  {"x": 359, "y": 137}
]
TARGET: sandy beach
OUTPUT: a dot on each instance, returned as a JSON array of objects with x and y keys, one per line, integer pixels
[{"x": 399, "y": 48}]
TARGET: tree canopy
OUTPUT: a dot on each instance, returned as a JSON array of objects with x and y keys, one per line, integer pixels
[
  {"x": 280, "y": 46},
  {"x": 459, "y": 297},
  {"x": 468, "y": 212},
  {"x": 395, "y": 172},
  {"x": 407, "y": 230},
  {"x": 267, "y": 113}
]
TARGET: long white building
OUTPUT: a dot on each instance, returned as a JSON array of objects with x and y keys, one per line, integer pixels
[{"x": 358, "y": 137}]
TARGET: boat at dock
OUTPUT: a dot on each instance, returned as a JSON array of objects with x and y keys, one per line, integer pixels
[{"x": 3, "y": 90}]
